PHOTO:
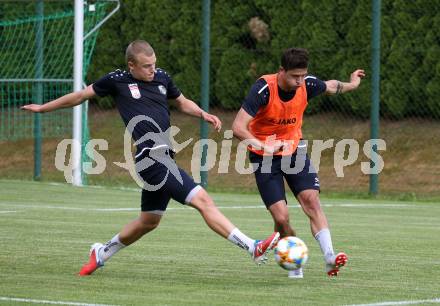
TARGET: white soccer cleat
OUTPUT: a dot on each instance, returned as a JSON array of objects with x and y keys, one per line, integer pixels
[{"x": 297, "y": 273}]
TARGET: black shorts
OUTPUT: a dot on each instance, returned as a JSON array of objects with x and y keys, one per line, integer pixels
[
  {"x": 296, "y": 169},
  {"x": 163, "y": 180}
]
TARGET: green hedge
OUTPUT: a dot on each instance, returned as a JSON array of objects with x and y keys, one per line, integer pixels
[{"x": 247, "y": 38}]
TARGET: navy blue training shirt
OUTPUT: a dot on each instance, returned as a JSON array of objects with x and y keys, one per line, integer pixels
[
  {"x": 134, "y": 97},
  {"x": 259, "y": 94}
]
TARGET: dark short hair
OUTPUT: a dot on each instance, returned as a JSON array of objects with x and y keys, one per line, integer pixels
[
  {"x": 294, "y": 58},
  {"x": 136, "y": 47}
]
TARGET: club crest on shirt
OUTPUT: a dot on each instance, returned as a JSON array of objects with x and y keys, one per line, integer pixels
[
  {"x": 162, "y": 89},
  {"x": 134, "y": 90}
]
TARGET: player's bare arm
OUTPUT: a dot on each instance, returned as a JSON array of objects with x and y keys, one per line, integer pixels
[
  {"x": 338, "y": 87},
  {"x": 189, "y": 107},
  {"x": 240, "y": 128},
  {"x": 69, "y": 100}
]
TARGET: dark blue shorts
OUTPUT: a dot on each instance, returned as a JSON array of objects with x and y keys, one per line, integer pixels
[
  {"x": 163, "y": 180},
  {"x": 270, "y": 173}
]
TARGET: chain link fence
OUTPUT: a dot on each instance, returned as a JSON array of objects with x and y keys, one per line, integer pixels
[
  {"x": 247, "y": 39},
  {"x": 36, "y": 62}
]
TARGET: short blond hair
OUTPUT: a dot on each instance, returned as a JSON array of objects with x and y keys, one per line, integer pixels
[{"x": 136, "y": 47}]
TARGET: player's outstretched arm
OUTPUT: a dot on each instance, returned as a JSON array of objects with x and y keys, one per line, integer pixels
[
  {"x": 338, "y": 87},
  {"x": 69, "y": 100},
  {"x": 189, "y": 107}
]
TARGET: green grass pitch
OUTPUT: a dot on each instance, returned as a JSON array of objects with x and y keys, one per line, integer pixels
[{"x": 46, "y": 230}]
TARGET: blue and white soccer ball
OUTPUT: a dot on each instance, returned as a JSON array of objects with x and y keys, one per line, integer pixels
[{"x": 291, "y": 253}]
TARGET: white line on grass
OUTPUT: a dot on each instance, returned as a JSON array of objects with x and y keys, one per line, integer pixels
[
  {"x": 432, "y": 301},
  {"x": 10, "y": 299},
  {"x": 354, "y": 205},
  {"x": 7, "y": 211},
  {"x": 69, "y": 208},
  {"x": 134, "y": 188}
]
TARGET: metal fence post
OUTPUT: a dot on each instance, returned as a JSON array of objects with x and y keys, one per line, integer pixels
[
  {"x": 38, "y": 87},
  {"x": 375, "y": 90},
  {"x": 206, "y": 12}
]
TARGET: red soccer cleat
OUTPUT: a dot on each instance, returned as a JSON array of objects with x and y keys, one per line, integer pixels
[
  {"x": 94, "y": 261},
  {"x": 340, "y": 261},
  {"x": 264, "y": 246}
]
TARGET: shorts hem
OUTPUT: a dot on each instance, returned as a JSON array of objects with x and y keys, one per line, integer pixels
[
  {"x": 155, "y": 212},
  {"x": 192, "y": 193},
  {"x": 307, "y": 188}
]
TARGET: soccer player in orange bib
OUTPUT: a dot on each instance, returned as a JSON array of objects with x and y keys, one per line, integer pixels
[{"x": 270, "y": 120}]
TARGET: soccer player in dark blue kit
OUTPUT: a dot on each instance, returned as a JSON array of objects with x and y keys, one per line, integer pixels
[{"x": 141, "y": 96}]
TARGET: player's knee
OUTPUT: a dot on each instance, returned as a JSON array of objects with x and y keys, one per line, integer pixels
[
  {"x": 282, "y": 220},
  {"x": 310, "y": 201},
  {"x": 207, "y": 207},
  {"x": 203, "y": 202},
  {"x": 147, "y": 226}
]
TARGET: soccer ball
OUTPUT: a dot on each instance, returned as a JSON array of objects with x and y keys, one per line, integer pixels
[{"x": 291, "y": 253}]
